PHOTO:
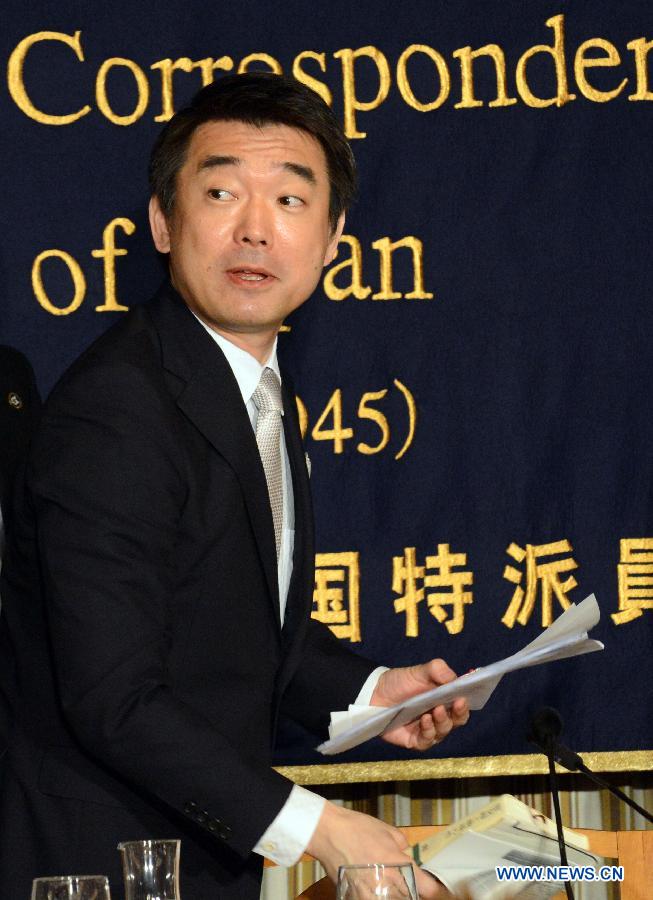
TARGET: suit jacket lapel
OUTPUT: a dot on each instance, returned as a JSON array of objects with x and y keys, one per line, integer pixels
[
  {"x": 210, "y": 397},
  {"x": 300, "y": 591}
]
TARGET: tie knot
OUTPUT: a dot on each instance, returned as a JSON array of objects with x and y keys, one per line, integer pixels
[{"x": 267, "y": 395}]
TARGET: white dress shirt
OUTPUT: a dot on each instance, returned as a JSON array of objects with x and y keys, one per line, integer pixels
[{"x": 287, "y": 837}]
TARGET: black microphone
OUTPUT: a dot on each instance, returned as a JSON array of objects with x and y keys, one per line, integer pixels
[
  {"x": 545, "y": 727},
  {"x": 544, "y": 731}
]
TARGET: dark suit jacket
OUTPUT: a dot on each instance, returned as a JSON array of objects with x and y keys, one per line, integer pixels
[
  {"x": 147, "y": 666},
  {"x": 19, "y": 409}
]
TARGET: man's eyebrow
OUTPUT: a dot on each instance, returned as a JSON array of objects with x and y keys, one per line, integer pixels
[
  {"x": 210, "y": 162},
  {"x": 305, "y": 172}
]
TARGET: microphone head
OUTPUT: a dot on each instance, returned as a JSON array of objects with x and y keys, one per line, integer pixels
[{"x": 545, "y": 727}]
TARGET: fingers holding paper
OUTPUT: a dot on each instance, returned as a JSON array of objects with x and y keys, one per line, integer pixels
[
  {"x": 397, "y": 685},
  {"x": 431, "y": 728}
]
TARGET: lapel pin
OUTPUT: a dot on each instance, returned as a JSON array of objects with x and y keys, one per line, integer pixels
[{"x": 14, "y": 399}]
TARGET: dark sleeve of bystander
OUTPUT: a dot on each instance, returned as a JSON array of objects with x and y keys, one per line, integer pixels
[{"x": 20, "y": 405}]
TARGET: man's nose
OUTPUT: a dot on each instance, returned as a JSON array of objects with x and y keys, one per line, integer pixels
[{"x": 254, "y": 226}]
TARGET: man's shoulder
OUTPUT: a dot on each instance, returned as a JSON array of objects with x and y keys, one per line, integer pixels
[
  {"x": 126, "y": 352},
  {"x": 131, "y": 340},
  {"x": 130, "y": 352},
  {"x": 118, "y": 393}
]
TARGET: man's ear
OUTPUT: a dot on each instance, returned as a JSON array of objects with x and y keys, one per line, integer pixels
[
  {"x": 159, "y": 226},
  {"x": 332, "y": 246}
]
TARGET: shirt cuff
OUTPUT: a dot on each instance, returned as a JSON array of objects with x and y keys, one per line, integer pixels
[
  {"x": 369, "y": 686},
  {"x": 287, "y": 837}
]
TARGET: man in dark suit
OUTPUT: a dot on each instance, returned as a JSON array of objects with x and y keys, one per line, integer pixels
[{"x": 159, "y": 581}]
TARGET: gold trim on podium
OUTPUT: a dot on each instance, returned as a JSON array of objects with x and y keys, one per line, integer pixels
[{"x": 463, "y": 767}]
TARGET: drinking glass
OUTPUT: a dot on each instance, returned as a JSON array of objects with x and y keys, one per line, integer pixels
[
  {"x": 390, "y": 882},
  {"x": 150, "y": 869},
  {"x": 71, "y": 887}
]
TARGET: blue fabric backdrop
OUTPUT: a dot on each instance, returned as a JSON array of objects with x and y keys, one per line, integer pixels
[{"x": 498, "y": 417}]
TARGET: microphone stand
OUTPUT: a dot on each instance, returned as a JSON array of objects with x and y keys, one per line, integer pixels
[
  {"x": 553, "y": 784},
  {"x": 544, "y": 730}
]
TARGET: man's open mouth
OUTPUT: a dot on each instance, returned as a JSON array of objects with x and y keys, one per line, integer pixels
[{"x": 252, "y": 275}]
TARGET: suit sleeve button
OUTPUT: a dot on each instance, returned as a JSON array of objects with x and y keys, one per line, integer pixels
[{"x": 190, "y": 807}]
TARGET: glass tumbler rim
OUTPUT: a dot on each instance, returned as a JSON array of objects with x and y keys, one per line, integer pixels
[
  {"x": 69, "y": 878},
  {"x": 147, "y": 842},
  {"x": 376, "y": 865}
]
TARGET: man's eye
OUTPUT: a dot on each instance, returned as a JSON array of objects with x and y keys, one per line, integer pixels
[
  {"x": 220, "y": 194},
  {"x": 291, "y": 200}
]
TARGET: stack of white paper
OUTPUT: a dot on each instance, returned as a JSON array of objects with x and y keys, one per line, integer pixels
[{"x": 566, "y": 637}]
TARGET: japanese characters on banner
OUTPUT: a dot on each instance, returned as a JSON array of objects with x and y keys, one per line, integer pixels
[
  {"x": 541, "y": 584},
  {"x": 473, "y": 373}
]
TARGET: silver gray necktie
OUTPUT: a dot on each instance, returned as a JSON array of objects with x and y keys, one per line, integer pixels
[{"x": 267, "y": 398}]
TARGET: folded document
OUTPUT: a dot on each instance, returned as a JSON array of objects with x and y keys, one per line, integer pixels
[{"x": 565, "y": 638}]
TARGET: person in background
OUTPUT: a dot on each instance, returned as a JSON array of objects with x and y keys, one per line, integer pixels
[
  {"x": 19, "y": 409},
  {"x": 20, "y": 405}
]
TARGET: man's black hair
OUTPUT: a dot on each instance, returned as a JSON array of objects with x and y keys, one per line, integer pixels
[{"x": 259, "y": 99}]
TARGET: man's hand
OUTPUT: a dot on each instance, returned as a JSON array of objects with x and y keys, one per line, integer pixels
[
  {"x": 344, "y": 837},
  {"x": 432, "y": 727}
]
